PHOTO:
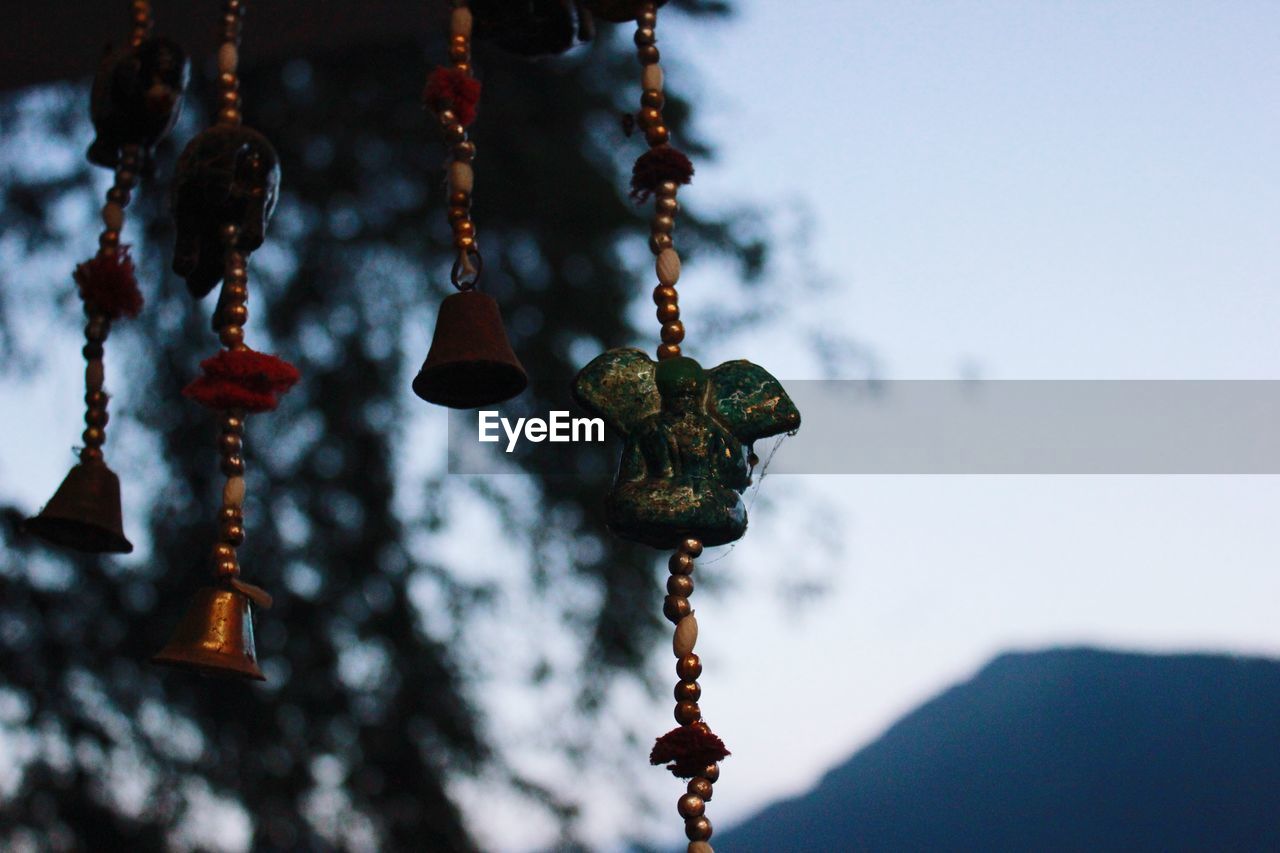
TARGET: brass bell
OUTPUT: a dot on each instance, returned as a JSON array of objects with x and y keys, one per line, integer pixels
[
  {"x": 84, "y": 513},
  {"x": 215, "y": 636},
  {"x": 470, "y": 363}
]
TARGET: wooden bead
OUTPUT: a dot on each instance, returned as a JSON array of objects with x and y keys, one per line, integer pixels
[
  {"x": 701, "y": 787},
  {"x": 686, "y": 636},
  {"x": 711, "y": 772},
  {"x": 645, "y": 36},
  {"x": 666, "y": 351},
  {"x": 95, "y": 417},
  {"x": 687, "y": 691},
  {"x": 228, "y": 58},
  {"x": 662, "y": 224},
  {"x": 699, "y": 847},
  {"x": 692, "y": 547},
  {"x": 98, "y": 399},
  {"x": 697, "y": 829},
  {"x": 464, "y": 151},
  {"x": 231, "y": 336},
  {"x": 657, "y": 135},
  {"x": 672, "y": 333},
  {"x": 666, "y": 206},
  {"x": 688, "y": 713},
  {"x": 658, "y": 243},
  {"x": 460, "y": 22},
  {"x": 680, "y": 564},
  {"x": 113, "y": 216},
  {"x": 461, "y": 178},
  {"x": 653, "y": 98},
  {"x": 651, "y": 77},
  {"x": 648, "y": 55},
  {"x": 668, "y": 312},
  {"x": 93, "y": 374},
  {"x": 668, "y": 267},
  {"x": 233, "y": 466},
  {"x": 690, "y": 805},
  {"x": 233, "y": 492},
  {"x": 93, "y": 436},
  {"x": 237, "y": 314},
  {"x": 230, "y": 444},
  {"x": 689, "y": 667},
  {"x": 649, "y": 117},
  {"x": 681, "y": 585},
  {"x": 676, "y": 607},
  {"x": 664, "y": 293}
]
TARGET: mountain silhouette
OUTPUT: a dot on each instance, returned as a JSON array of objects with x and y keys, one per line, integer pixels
[{"x": 1068, "y": 749}]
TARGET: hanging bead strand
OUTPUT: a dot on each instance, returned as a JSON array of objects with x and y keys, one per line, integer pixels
[
  {"x": 452, "y": 92},
  {"x": 661, "y": 226},
  {"x": 692, "y": 804},
  {"x": 142, "y": 22},
  {"x": 98, "y": 326},
  {"x": 229, "y": 63}
]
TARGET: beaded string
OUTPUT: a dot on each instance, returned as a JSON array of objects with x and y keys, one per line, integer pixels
[
  {"x": 452, "y": 92},
  {"x": 111, "y": 256},
  {"x": 142, "y": 21},
  {"x": 665, "y": 206},
  {"x": 228, "y": 63},
  {"x": 692, "y": 805}
]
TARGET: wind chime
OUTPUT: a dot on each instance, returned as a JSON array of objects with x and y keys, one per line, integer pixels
[
  {"x": 224, "y": 192},
  {"x": 688, "y": 436},
  {"x": 137, "y": 94},
  {"x": 470, "y": 362}
]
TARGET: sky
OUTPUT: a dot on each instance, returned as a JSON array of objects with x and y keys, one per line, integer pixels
[{"x": 1048, "y": 190}]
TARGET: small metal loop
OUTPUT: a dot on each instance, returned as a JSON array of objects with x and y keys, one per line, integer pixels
[{"x": 467, "y": 269}]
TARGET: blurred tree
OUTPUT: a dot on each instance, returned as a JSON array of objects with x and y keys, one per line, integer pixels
[{"x": 367, "y": 718}]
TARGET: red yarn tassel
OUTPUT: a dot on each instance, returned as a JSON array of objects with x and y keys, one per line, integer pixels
[
  {"x": 689, "y": 749},
  {"x": 453, "y": 89},
  {"x": 242, "y": 379},
  {"x": 655, "y": 167},
  {"x": 108, "y": 286}
]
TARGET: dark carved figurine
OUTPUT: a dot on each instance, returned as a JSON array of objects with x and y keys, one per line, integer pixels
[
  {"x": 687, "y": 433},
  {"x": 227, "y": 176},
  {"x": 136, "y": 98}
]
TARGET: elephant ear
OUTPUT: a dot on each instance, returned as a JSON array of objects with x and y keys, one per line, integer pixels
[
  {"x": 618, "y": 386},
  {"x": 751, "y": 402}
]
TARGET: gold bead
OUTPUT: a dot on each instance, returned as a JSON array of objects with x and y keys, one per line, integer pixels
[
  {"x": 652, "y": 98},
  {"x": 672, "y": 333},
  {"x": 711, "y": 772},
  {"x": 465, "y": 151},
  {"x": 446, "y": 117},
  {"x": 226, "y": 569},
  {"x": 688, "y": 691},
  {"x": 668, "y": 313},
  {"x": 657, "y": 135},
  {"x": 681, "y": 585},
  {"x": 688, "y": 713},
  {"x": 662, "y": 224},
  {"x": 464, "y": 228},
  {"x": 229, "y": 116},
  {"x": 229, "y": 515},
  {"x": 667, "y": 189},
  {"x": 666, "y": 206},
  {"x": 663, "y": 294},
  {"x": 667, "y": 351},
  {"x": 690, "y": 805},
  {"x": 650, "y": 116},
  {"x": 233, "y": 466},
  {"x": 659, "y": 242},
  {"x": 109, "y": 238},
  {"x": 454, "y": 133},
  {"x": 96, "y": 399},
  {"x": 689, "y": 667},
  {"x": 458, "y": 198},
  {"x": 675, "y": 607},
  {"x": 648, "y": 55},
  {"x": 223, "y": 552},
  {"x": 680, "y": 563},
  {"x": 697, "y": 829},
  {"x": 93, "y": 436},
  {"x": 647, "y": 18},
  {"x": 234, "y": 534},
  {"x": 464, "y": 244},
  {"x": 457, "y": 214},
  {"x": 645, "y": 36},
  {"x": 231, "y": 336},
  {"x": 230, "y": 443},
  {"x": 96, "y": 417},
  {"x": 692, "y": 547},
  {"x": 237, "y": 314},
  {"x": 700, "y": 787},
  {"x": 233, "y": 424}
]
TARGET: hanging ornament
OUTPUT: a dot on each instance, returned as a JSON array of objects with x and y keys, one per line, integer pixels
[
  {"x": 688, "y": 434},
  {"x": 470, "y": 362},
  {"x": 135, "y": 100},
  {"x": 224, "y": 192}
]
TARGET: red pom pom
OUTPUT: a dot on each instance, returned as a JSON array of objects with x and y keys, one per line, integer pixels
[
  {"x": 242, "y": 379},
  {"x": 453, "y": 89},
  {"x": 108, "y": 286},
  {"x": 655, "y": 167},
  {"x": 689, "y": 749}
]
